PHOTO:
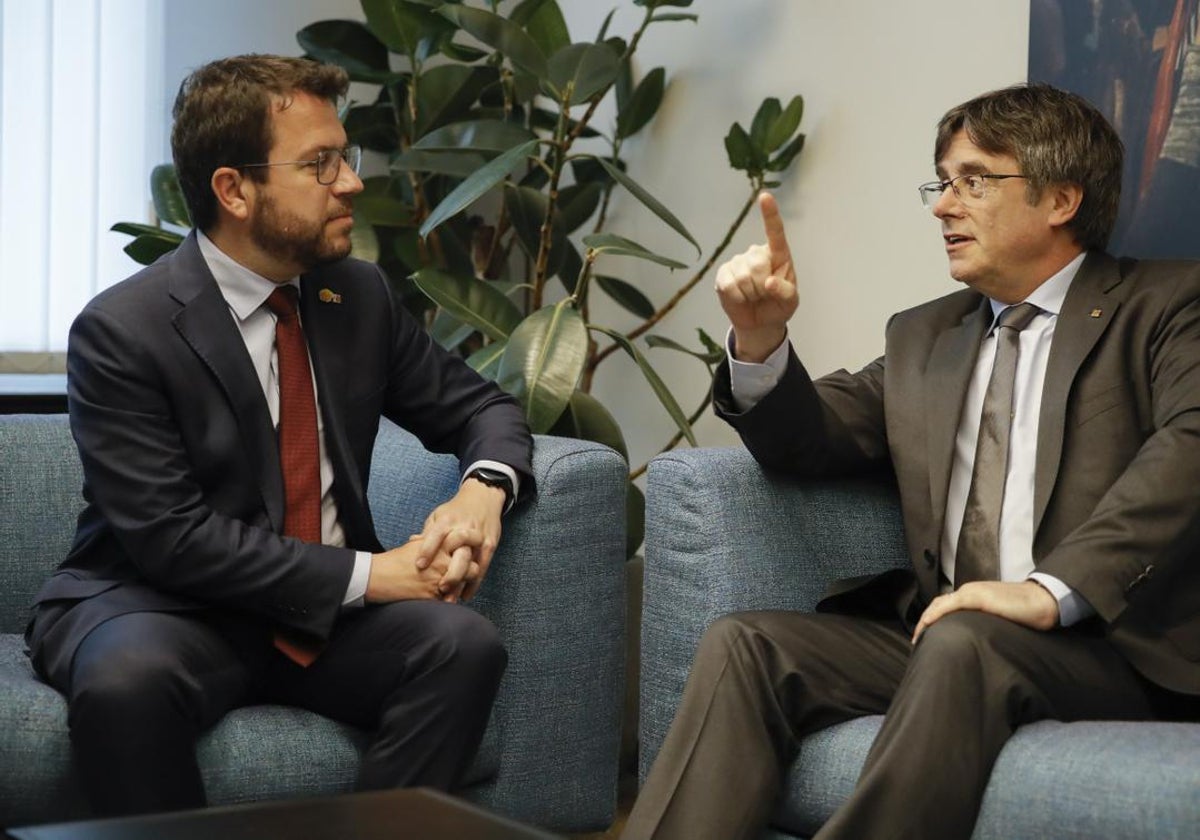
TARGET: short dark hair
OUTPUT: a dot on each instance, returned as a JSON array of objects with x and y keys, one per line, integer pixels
[
  {"x": 1057, "y": 137},
  {"x": 223, "y": 118}
]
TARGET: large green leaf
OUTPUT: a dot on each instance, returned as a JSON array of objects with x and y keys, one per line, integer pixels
[
  {"x": 169, "y": 204},
  {"x": 454, "y": 164},
  {"x": 784, "y": 159},
  {"x": 583, "y": 69},
  {"x": 587, "y": 419},
  {"x": 765, "y": 117},
  {"x": 709, "y": 356},
  {"x": 543, "y": 362},
  {"x": 659, "y": 387},
  {"x": 470, "y": 300},
  {"x": 737, "y": 146},
  {"x": 378, "y": 204},
  {"x": 527, "y": 209},
  {"x": 627, "y": 295},
  {"x": 146, "y": 248},
  {"x": 500, "y": 34},
  {"x": 611, "y": 243},
  {"x": 543, "y": 20},
  {"x": 577, "y": 203},
  {"x": 785, "y": 124},
  {"x": 485, "y": 136},
  {"x": 479, "y": 183},
  {"x": 399, "y": 25},
  {"x": 486, "y": 360},
  {"x": 571, "y": 268},
  {"x": 448, "y": 331},
  {"x": 139, "y": 229},
  {"x": 548, "y": 121},
  {"x": 447, "y": 93},
  {"x": 650, "y": 201},
  {"x": 350, "y": 45},
  {"x": 643, "y": 103},
  {"x": 373, "y": 127}
]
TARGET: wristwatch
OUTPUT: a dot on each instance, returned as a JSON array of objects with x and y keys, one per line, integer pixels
[{"x": 494, "y": 478}]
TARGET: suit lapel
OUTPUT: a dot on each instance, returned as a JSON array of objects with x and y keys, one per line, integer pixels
[
  {"x": 1091, "y": 302},
  {"x": 204, "y": 322},
  {"x": 947, "y": 376},
  {"x": 328, "y": 317}
]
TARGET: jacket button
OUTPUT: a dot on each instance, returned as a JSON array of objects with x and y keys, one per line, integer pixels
[{"x": 930, "y": 558}]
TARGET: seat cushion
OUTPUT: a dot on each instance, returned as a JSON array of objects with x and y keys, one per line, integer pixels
[
  {"x": 254, "y": 753},
  {"x": 1092, "y": 780}
]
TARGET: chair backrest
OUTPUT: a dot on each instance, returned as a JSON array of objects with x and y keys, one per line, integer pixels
[{"x": 40, "y": 498}]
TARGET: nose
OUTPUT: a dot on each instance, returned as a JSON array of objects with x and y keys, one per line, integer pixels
[
  {"x": 347, "y": 181},
  {"x": 947, "y": 204}
]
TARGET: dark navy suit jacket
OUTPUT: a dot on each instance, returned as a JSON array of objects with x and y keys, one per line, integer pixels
[{"x": 183, "y": 491}]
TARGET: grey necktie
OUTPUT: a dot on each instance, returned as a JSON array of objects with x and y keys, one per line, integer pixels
[{"x": 978, "y": 556}]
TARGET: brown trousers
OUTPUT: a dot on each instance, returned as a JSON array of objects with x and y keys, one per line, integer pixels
[{"x": 761, "y": 681}]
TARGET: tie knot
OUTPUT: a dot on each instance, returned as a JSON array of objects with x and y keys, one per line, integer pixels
[
  {"x": 1018, "y": 317},
  {"x": 283, "y": 301}
]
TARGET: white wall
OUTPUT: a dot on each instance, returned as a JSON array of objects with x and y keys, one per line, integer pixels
[{"x": 876, "y": 75}]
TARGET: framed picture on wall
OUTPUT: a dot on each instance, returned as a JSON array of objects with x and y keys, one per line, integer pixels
[{"x": 1139, "y": 62}]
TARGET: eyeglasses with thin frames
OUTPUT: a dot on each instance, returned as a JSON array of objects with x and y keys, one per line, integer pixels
[
  {"x": 968, "y": 188},
  {"x": 328, "y": 163}
]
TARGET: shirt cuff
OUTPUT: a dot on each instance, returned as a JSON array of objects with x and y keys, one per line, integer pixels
[
  {"x": 504, "y": 468},
  {"x": 356, "y": 592},
  {"x": 1072, "y": 607},
  {"x": 749, "y": 382}
]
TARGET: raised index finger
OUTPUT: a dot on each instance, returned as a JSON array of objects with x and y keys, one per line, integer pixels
[{"x": 777, "y": 243}]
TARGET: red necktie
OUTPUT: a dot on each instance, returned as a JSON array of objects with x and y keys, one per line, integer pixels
[{"x": 299, "y": 453}]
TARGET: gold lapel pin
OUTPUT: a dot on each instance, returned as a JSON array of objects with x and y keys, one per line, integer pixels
[
  {"x": 1096, "y": 313},
  {"x": 327, "y": 296}
]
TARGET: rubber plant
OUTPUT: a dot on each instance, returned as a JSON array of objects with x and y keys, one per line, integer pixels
[{"x": 490, "y": 215}]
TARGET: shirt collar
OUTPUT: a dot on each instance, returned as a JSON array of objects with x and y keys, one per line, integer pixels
[
  {"x": 244, "y": 290},
  {"x": 1048, "y": 297}
]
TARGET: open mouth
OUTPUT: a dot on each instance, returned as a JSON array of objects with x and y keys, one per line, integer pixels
[{"x": 954, "y": 239}]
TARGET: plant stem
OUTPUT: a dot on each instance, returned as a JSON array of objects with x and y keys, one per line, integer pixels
[
  {"x": 678, "y": 436},
  {"x": 666, "y": 308},
  {"x": 559, "y": 158}
]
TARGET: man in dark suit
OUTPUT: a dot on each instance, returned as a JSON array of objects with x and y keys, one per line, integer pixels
[
  {"x": 226, "y": 554},
  {"x": 1043, "y": 426}
]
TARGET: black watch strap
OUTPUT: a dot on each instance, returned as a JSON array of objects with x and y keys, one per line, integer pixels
[{"x": 494, "y": 478}]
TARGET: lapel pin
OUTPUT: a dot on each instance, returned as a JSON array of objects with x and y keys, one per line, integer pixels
[
  {"x": 1095, "y": 313},
  {"x": 326, "y": 296}
]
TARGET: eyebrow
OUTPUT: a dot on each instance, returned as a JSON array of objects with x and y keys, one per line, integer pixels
[{"x": 971, "y": 167}]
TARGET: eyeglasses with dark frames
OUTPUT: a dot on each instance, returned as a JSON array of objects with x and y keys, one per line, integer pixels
[
  {"x": 972, "y": 187},
  {"x": 328, "y": 163}
]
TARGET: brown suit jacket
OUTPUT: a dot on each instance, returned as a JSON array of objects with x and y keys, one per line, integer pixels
[{"x": 1117, "y": 485}]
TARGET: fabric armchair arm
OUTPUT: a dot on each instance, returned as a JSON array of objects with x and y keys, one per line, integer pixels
[
  {"x": 556, "y": 591},
  {"x": 722, "y": 535}
]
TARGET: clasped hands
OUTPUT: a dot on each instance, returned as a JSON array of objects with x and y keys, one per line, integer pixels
[{"x": 450, "y": 557}]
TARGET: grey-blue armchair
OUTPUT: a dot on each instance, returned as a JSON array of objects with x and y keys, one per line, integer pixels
[
  {"x": 555, "y": 590},
  {"x": 724, "y": 536}
]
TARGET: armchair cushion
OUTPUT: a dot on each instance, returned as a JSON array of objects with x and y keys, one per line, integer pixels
[
  {"x": 555, "y": 591},
  {"x": 724, "y": 536}
]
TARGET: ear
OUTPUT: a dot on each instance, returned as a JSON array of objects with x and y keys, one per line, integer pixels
[
  {"x": 235, "y": 193},
  {"x": 1064, "y": 201}
]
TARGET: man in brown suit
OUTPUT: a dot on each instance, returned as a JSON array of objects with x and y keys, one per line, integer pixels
[{"x": 1043, "y": 426}]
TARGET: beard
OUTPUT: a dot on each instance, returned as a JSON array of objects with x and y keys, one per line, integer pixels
[{"x": 291, "y": 239}]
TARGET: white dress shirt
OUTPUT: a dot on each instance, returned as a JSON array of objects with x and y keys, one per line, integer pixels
[
  {"x": 246, "y": 293},
  {"x": 751, "y": 382}
]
